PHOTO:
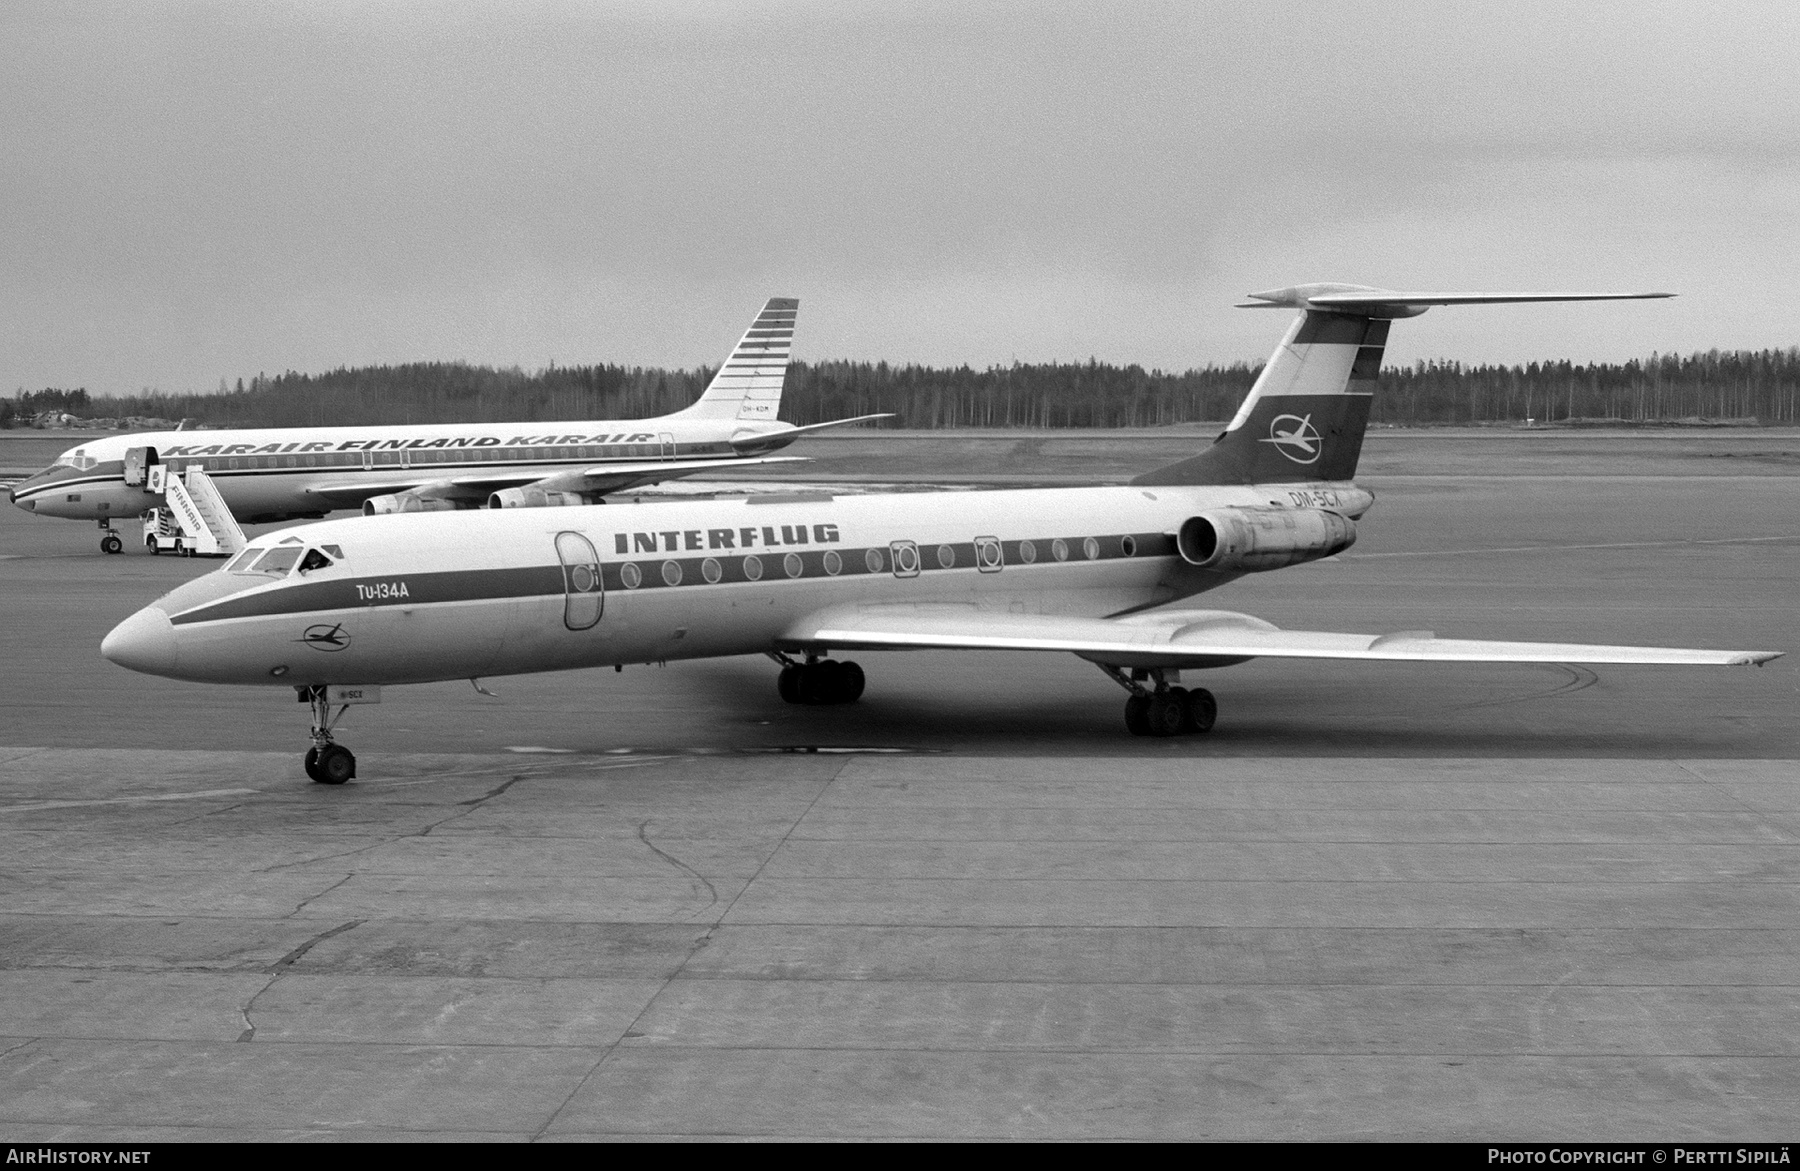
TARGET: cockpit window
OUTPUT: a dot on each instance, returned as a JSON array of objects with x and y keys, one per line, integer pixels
[
  {"x": 242, "y": 559},
  {"x": 313, "y": 560},
  {"x": 78, "y": 459},
  {"x": 336, "y": 551},
  {"x": 276, "y": 562}
]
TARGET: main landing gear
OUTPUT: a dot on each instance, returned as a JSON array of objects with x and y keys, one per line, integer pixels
[
  {"x": 109, "y": 540},
  {"x": 1163, "y": 709},
  {"x": 327, "y": 761},
  {"x": 818, "y": 682}
]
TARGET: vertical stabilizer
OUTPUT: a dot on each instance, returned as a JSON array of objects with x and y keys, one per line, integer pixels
[
  {"x": 1305, "y": 417},
  {"x": 748, "y": 386}
]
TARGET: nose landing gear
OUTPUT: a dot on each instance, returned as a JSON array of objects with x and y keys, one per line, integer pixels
[
  {"x": 1167, "y": 710},
  {"x": 818, "y": 682},
  {"x": 327, "y": 761},
  {"x": 109, "y": 540}
]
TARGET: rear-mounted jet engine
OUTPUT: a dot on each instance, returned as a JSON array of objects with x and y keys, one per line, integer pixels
[{"x": 1251, "y": 540}]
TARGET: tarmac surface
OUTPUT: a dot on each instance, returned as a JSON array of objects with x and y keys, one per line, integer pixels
[{"x": 1379, "y": 901}]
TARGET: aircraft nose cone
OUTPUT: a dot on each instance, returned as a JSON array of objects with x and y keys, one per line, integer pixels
[{"x": 143, "y": 642}]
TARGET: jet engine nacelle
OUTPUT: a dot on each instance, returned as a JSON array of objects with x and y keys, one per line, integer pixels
[
  {"x": 530, "y": 497},
  {"x": 1250, "y": 540},
  {"x": 408, "y": 502}
]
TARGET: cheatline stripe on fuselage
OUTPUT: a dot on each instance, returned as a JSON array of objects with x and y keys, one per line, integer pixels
[{"x": 469, "y": 585}]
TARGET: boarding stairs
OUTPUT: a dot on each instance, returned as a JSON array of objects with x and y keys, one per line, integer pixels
[{"x": 195, "y": 508}]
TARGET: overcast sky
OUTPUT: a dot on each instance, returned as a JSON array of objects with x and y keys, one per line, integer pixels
[{"x": 197, "y": 191}]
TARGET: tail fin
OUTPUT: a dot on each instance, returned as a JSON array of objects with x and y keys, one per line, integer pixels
[
  {"x": 1304, "y": 418},
  {"x": 748, "y": 385}
]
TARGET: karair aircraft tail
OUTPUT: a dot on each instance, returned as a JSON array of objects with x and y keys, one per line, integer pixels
[
  {"x": 748, "y": 386},
  {"x": 1304, "y": 418}
]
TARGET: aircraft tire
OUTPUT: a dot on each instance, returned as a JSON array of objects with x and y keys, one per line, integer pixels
[
  {"x": 312, "y": 764},
  {"x": 336, "y": 764},
  {"x": 1164, "y": 714},
  {"x": 821, "y": 683},
  {"x": 788, "y": 684},
  {"x": 1199, "y": 711},
  {"x": 850, "y": 683},
  {"x": 111, "y": 543},
  {"x": 1137, "y": 715}
]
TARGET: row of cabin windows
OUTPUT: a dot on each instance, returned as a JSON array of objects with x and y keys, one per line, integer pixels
[{"x": 416, "y": 457}]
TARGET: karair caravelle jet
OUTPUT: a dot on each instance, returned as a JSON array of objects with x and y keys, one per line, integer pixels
[
  {"x": 339, "y": 609},
  {"x": 282, "y": 474}
]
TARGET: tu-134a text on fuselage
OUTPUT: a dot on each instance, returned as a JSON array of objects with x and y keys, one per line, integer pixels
[
  {"x": 341, "y": 608},
  {"x": 278, "y": 474}
]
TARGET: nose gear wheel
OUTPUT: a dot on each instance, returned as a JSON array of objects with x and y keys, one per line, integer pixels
[{"x": 327, "y": 761}]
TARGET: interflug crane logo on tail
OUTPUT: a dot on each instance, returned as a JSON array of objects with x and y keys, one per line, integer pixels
[
  {"x": 326, "y": 638},
  {"x": 1296, "y": 438}
]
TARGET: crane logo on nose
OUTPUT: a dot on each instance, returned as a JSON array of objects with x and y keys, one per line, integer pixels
[{"x": 325, "y": 638}]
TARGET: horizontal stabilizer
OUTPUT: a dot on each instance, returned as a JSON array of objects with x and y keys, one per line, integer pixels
[
  {"x": 1363, "y": 301},
  {"x": 753, "y": 440},
  {"x": 1200, "y": 638}
]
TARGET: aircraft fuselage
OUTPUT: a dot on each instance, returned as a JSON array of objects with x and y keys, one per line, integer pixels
[
  {"x": 429, "y": 597},
  {"x": 267, "y": 475}
]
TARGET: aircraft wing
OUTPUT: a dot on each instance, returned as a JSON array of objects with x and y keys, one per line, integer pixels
[
  {"x": 344, "y": 495},
  {"x": 1195, "y": 638},
  {"x": 599, "y": 478},
  {"x": 619, "y": 477}
]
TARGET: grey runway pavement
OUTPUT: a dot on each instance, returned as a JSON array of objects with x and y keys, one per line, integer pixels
[
  {"x": 1379, "y": 901},
  {"x": 569, "y": 947}
]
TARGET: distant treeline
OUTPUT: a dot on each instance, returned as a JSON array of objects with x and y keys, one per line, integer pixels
[{"x": 1764, "y": 384}]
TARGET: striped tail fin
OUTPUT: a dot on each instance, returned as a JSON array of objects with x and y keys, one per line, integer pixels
[
  {"x": 748, "y": 386},
  {"x": 1305, "y": 417}
]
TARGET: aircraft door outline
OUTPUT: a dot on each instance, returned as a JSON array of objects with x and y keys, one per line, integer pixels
[
  {"x": 990, "y": 556},
  {"x": 138, "y": 462},
  {"x": 668, "y": 445},
  {"x": 584, "y": 597}
]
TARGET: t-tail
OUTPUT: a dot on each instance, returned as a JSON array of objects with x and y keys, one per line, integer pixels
[
  {"x": 1305, "y": 417},
  {"x": 748, "y": 386}
]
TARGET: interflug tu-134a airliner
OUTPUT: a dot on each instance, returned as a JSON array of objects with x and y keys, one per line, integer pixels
[
  {"x": 289, "y": 473},
  {"x": 339, "y": 609}
]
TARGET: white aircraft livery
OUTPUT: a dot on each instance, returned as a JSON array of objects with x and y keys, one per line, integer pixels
[
  {"x": 340, "y": 609},
  {"x": 286, "y": 473}
]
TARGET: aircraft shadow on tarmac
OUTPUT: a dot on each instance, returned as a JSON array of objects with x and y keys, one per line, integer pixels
[{"x": 1272, "y": 711}]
